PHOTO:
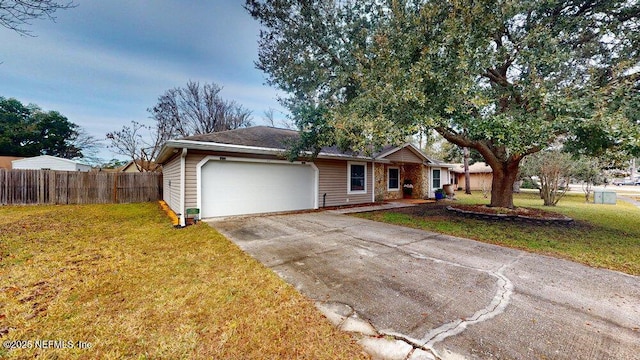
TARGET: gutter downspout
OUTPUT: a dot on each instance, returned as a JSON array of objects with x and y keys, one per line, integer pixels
[
  {"x": 182, "y": 185},
  {"x": 373, "y": 179}
]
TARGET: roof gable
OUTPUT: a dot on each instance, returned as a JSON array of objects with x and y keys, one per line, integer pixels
[
  {"x": 406, "y": 153},
  {"x": 131, "y": 166}
]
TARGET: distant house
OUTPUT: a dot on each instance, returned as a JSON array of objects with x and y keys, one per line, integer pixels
[
  {"x": 480, "y": 176},
  {"x": 133, "y": 167},
  {"x": 47, "y": 162},
  {"x": 5, "y": 161}
]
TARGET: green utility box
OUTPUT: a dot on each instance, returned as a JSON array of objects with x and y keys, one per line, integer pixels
[
  {"x": 193, "y": 215},
  {"x": 604, "y": 197}
]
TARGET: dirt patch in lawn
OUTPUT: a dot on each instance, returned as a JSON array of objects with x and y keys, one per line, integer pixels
[
  {"x": 520, "y": 211},
  {"x": 452, "y": 212}
]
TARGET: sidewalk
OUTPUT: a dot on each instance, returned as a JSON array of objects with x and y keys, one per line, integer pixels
[
  {"x": 393, "y": 204},
  {"x": 629, "y": 200}
]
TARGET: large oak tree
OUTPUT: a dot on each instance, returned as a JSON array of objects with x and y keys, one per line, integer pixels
[
  {"x": 29, "y": 131},
  {"x": 506, "y": 78}
]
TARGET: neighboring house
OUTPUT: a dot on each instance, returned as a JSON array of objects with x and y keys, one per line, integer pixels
[
  {"x": 47, "y": 162},
  {"x": 133, "y": 167},
  {"x": 243, "y": 171},
  {"x": 480, "y": 176},
  {"x": 5, "y": 161}
]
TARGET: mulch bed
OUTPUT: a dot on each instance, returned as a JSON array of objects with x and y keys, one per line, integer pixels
[{"x": 451, "y": 211}]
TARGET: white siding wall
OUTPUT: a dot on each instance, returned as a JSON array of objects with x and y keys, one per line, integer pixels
[
  {"x": 49, "y": 162},
  {"x": 171, "y": 184}
]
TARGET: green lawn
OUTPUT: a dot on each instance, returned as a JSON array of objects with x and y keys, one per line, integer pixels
[
  {"x": 605, "y": 236},
  {"x": 122, "y": 279}
]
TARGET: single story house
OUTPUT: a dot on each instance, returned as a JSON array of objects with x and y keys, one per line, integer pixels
[
  {"x": 5, "y": 161},
  {"x": 243, "y": 171},
  {"x": 480, "y": 176},
  {"x": 133, "y": 167},
  {"x": 47, "y": 162}
]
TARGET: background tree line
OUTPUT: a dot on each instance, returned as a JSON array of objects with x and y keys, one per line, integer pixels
[{"x": 29, "y": 131}]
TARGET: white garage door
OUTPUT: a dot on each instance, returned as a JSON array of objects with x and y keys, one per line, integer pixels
[{"x": 238, "y": 187}]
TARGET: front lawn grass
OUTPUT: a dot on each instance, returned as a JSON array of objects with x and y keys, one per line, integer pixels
[
  {"x": 606, "y": 236},
  {"x": 122, "y": 279}
]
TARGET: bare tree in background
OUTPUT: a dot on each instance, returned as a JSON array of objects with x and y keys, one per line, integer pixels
[
  {"x": 130, "y": 142},
  {"x": 17, "y": 14},
  {"x": 269, "y": 116},
  {"x": 197, "y": 109},
  {"x": 179, "y": 112},
  {"x": 89, "y": 146}
]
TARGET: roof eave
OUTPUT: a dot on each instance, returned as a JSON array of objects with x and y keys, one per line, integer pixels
[
  {"x": 329, "y": 156},
  {"x": 167, "y": 149}
]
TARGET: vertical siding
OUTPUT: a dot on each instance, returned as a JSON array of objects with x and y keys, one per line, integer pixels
[
  {"x": 333, "y": 182},
  {"x": 404, "y": 156},
  {"x": 171, "y": 193}
]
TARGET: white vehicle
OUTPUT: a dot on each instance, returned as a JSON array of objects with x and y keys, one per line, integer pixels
[{"x": 626, "y": 181}]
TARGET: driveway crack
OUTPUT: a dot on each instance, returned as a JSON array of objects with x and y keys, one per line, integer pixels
[{"x": 497, "y": 305}]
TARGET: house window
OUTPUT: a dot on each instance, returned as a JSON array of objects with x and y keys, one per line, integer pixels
[
  {"x": 393, "y": 179},
  {"x": 436, "y": 178},
  {"x": 357, "y": 182}
]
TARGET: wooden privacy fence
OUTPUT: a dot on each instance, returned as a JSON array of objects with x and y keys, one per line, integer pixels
[{"x": 69, "y": 187}]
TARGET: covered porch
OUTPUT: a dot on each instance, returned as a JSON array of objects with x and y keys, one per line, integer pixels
[{"x": 407, "y": 173}]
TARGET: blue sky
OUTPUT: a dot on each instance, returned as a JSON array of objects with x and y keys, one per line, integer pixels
[{"x": 103, "y": 63}]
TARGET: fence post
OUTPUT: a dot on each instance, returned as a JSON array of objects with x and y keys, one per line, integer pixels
[{"x": 115, "y": 187}]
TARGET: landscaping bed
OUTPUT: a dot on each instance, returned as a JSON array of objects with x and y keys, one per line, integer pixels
[{"x": 518, "y": 214}]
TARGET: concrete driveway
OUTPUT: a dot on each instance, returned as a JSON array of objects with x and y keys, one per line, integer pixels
[{"x": 441, "y": 297}]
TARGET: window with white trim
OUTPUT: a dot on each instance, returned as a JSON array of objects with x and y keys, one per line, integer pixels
[
  {"x": 436, "y": 178},
  {"x": 393, "y": 178},
  {"x": 357, "y": 178}
]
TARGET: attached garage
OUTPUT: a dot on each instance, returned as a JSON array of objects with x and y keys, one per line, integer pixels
[
  {"x": 245, "y": 171},
  {"x": 229, "y": 186}
]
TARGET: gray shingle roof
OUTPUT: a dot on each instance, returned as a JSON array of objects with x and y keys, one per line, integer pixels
[
  {"x": 274, "y": 138},
  {"x": 258, "y": 136},
  {"x": 261, "y": 136}
]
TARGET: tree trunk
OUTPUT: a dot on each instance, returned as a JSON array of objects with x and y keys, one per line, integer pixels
[
  {"x": 504, "y": 176},
  {"x": 467, "y": 176},
  {"x": 505, "y": 168}
]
